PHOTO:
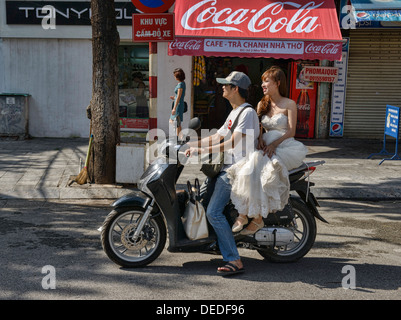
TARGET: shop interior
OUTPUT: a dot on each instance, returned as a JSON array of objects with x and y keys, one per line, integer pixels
[
  {"x": 133, "y": 84},
  {"x": 209, "y": 104}
]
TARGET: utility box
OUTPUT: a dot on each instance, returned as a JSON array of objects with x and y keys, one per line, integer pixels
[
  {"x": 130, "y": 162},
  {"x": 14, "y": 114}
]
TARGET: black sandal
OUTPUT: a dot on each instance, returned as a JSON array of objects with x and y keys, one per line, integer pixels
[{"x": 233, "y": 270}]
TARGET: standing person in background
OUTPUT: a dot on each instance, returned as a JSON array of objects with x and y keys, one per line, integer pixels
[
  {"x": 177, "y": 112},
  {"x": 142, "y": 108}
]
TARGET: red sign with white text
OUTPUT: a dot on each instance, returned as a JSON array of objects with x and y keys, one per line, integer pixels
[
  {"x": 299, "y": 29},
  {"x": 132, "y": 124},
  {"x": 320, "y": 74},
  {"x": 152, "y": 27},
  {"x": 255, "y": 48}
]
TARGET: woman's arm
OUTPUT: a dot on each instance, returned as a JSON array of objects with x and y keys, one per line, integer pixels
[
  {"x": 261, "y": 142},
  {"x": 177, "y": 101}
]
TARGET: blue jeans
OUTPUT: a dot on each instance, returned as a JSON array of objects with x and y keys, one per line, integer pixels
[{"x": 218, "y": 192}]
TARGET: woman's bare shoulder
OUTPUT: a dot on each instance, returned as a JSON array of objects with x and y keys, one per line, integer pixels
[{"x": 290, "y": 104}]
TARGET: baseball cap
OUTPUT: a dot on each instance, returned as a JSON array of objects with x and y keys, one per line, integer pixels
[{"x": 236, "y": 78}]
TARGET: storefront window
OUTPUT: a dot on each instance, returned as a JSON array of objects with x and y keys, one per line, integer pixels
[{"x": 133, "y": 84}]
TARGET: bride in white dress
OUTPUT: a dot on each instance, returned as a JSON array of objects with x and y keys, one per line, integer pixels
[{"x": 260, "y": 182}]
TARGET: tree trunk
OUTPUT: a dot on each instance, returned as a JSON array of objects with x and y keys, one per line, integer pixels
[{"x": 104, "y": 103}]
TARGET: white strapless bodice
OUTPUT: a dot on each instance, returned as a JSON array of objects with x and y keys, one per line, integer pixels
[{"x": 277, "y": 122}]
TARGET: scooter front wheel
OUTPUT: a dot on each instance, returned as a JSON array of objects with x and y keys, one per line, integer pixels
[{"x": 122, "y": 247}]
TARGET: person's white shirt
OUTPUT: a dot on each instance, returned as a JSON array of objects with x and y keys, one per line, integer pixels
[{"x": 248, "y": 124}]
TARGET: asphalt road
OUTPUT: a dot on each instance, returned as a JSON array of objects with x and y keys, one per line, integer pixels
[{"x": 51, "y": 250}]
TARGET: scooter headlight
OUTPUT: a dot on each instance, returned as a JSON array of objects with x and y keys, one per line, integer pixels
[
  {"x": 142, "y": 185},
  {"x": 150, "y": 173}
]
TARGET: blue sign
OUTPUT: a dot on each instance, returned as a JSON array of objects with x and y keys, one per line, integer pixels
[
  {"x": 370, "y": 14},
  {"x": 390, "y": 129},
  {"x": 368, "y": 10},
  {"x": 152, "y": 6},
  {"x": 376, "y": 5},
  {"x": 392, "y": 121},
  {"x": 152, "y": 3},
  {"x": 338, "y": 94},
  {"x": 377, "y": 15}
]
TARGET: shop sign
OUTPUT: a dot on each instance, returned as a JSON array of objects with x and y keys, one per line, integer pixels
[
  {"x": 254, "y": 48},
  {"x": 152, "y": 27},
  {"x": 320, "y": 74},
  {"x": 391, "y": 129},
  {"x": 303, "y": 19},
  {"x": 67, "y": 12},
  {"x": 349, "y": 18},
  {"x": 338, "y": 94},
  {"x": 134, "y": 124},
  {"x": 153, "y": 6},
  {"x": 392, "y": 121}
]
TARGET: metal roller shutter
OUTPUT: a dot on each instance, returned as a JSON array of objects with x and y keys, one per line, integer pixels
[{"x": 373, "y": 81}]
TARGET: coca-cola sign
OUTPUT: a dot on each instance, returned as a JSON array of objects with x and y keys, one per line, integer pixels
[
  {"x": 254, "y": 48},
  {"x": 299, "y": 19},
  {"x": 269, "y": 17},
  {"x": 186, "y": 44},
  {"x": 323, "y": 48}
]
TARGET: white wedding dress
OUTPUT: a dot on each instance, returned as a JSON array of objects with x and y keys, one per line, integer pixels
[{"x": 260, "y": 184}]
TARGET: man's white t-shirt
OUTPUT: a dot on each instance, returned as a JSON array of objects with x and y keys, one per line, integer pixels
[{"x": 248, "y": 124}]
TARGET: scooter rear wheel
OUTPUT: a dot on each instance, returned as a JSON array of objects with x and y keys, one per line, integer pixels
[
  {"x": 119, "y": 244},
  {"x": 304, "y": 228}
]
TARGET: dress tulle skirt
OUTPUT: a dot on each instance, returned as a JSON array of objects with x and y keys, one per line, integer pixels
[{"x": 260, "y": 184}]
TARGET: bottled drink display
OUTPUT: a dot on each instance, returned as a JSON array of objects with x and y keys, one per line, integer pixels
[{"x": 303, "y": 112}]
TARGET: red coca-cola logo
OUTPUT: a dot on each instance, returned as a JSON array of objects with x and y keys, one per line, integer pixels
[
  {"x": 328, "y": 48},
  {"x": 288, "y": 16},
  {"x": 187, "y": 45}
]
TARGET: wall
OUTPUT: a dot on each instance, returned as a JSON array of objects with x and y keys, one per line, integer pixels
[
  {"x": 57, "y": 73},
  {"x": 55, "y": 67}
]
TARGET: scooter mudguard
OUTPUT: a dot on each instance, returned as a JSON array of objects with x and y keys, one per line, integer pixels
[
  {"x": 133, "y": 199},
  {"x": 301, "y": 187},
  {"x": 312, "y": 204}
]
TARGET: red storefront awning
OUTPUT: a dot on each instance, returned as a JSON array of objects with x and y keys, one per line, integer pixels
[{"x": 299, "y": 29}]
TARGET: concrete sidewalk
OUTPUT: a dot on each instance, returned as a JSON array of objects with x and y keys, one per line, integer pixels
[{"x": 41, "y": 168}]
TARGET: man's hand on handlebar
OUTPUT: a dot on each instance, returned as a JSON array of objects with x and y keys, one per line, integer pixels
[{"x": 193, "y": 151}]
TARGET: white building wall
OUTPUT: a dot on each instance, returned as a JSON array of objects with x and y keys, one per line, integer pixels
[
  {"x": 57, "y": 73},
  {"x": 55, "y": 67}
]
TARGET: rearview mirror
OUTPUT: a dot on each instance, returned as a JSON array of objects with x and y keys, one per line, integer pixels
[{"x": 194, "y": 124}]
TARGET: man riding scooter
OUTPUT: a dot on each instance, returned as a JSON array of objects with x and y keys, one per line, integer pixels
[
  {"x": 135, "y": 232},
  {"x": 218, "y": 189}
]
